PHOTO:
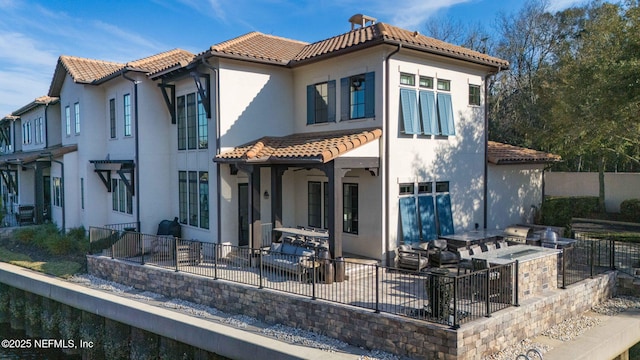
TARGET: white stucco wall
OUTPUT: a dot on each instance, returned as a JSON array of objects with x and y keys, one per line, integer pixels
[
  {"x": 512, "y": 191},
  {"x": 618, "y": 186}
]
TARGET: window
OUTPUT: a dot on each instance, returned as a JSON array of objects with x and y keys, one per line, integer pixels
[
  {"x": 357, "y": 99},
  {"x": 121, "y": 198},
  {"x": 204, "y": 199},
  {"x": 426, "y": 82},
  {"x": 57, "y": 191},
  {"x": 427, "y": 112},
  {"x": 112, "y": 118},
  {"x": 350, "y": 208},
  {"x": 76, "y": 113},
  {"x": 407, "y": 79},
  {"x": 203, "y": 127},
  {"x": 82, "y": 193},
  {"x": 193, "y": 198},
  {"x": 67, "y": 117},
  {"x": 40, "y": 130},
  {"x": 423, "y": 216},
  {"x": 192, "y": 122},
  {"x": 321, "y": 103},
  {"x": 126, "y": 99},
  {"x": 26, "y": 132},
  {"x": 314, "y": 204},
  {"x": 444, "y": 85},
  {"x": 474, "y": 95}
]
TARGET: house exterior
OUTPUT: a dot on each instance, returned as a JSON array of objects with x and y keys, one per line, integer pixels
[{"x": 377, "y": 135}]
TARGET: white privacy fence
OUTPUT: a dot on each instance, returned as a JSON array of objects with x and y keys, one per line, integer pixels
[{"x": 618, "y": 186}]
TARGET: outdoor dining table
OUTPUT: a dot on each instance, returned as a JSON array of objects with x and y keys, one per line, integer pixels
[{"x": 303, "y": 232}]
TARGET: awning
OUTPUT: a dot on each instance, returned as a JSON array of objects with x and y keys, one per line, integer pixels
[
  {"x": 26, "y": 157},
  {"x": 318, "y": 148},
  {"x": 104, "y": 168}
]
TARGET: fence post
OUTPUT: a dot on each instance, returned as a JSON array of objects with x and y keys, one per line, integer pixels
[
  {"x": 612, "y": 258},
  {"x": 486, "y": 293},
  {"x": 377, "y": 287},
  {"x": 216, "y": 249},
  {"x": 591, "y": 258},
  {"x": 260, "y": 267},
  {"x": 564, "y": 267},
  {"x": 113, "y": 245},
  {"x": 141, "y": 237},
  {"x": 516, "y": 281},
  {"x": 455, "y": 324},
  {"x": 176, "y": 252},
  {"x": 313, "y": 277}
]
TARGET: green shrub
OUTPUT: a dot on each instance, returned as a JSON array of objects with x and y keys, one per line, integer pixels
[
  {"x": 630, "y": 210},
  {"x": 48, "y": 238},
  {"x": 558, "y": 211}
]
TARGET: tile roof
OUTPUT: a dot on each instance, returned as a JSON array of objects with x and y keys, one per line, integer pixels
[
  {"x": 389, "y": 34},
  {"x": 303, "y": 147},
  {"x": 260, "y": 47},
  {"x": 42, "y": 100},
  {"x": 503, "y": 154},
  {"x": 87, "y": 70},
  {"x": 267, "y": 48}
]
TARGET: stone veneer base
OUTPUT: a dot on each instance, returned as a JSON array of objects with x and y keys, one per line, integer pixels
[{"x": 361, "y": 327}]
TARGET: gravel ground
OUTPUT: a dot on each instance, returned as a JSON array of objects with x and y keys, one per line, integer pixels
[
  {"x": 570, "y": 328},
  {"x": 280, "y": 332}
]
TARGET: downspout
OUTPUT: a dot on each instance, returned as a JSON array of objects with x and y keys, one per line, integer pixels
[
  {"x": 486, "y": 148},
  {"x": 217, "y": 120},
  {"x": 386, "y": 135},
  {"x": 137, "y": 146}
]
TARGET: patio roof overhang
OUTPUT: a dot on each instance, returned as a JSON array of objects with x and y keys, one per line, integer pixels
[
  {"x": 104, "y": 168},
  {"x": 26, "y": 157},
  {"x": 301, "y": 148},
  {"x": 504, "y": 154}
]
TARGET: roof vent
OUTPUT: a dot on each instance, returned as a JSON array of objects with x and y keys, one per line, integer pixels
[{"x": 362, "y": 20}]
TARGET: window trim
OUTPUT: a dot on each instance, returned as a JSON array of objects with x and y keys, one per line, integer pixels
[
  {"x": 112, "y": 119},
  {"x": 67, "y": 116},
  {"x": 76, "y": 113},
  {"x": 475, "y": 99},
  {"x": 350, "y": 223},
  {"x": 126, "y": 99},
  {"x": 312, "y": 100}
]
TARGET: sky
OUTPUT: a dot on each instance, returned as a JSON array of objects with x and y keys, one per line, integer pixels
[{"x": 34, "y": 33}]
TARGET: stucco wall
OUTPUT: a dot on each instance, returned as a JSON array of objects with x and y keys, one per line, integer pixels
[
  {"x": 618, "y": 186},
  {"x": 512, "y": 192}
]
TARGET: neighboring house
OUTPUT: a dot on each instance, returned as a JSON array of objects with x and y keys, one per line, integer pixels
[
  {"x": 377, "y": 135},
  {"x": 29, "y": 140},
  {"x": 515, "y": 183}
]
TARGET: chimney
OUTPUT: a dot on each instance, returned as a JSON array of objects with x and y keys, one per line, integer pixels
[{"x": 361, "y": 20}]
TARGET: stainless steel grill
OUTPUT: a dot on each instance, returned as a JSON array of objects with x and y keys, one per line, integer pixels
[{"x": 521, "y": 235}]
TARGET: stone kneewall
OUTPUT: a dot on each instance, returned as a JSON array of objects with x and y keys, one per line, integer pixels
[
  {"x": 533, "y": 316},
  {"x": 360, "y": 327},
  {"x": 537, "y": 276}
]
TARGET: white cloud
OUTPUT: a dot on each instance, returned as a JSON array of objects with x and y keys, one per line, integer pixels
[
  {"x": 412, "y": 13},
  {"x": 17, "y": 48}
]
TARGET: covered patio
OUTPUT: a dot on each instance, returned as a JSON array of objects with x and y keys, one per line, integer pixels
[{"x": 329, "y": 154}]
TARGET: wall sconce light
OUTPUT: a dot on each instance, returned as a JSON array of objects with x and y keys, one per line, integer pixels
[{"x": 266, "y": 195}]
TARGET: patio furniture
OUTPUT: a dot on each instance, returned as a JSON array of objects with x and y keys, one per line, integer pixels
[
  {"x": 465, "y": 260},
  {"x": 440, "y": 255},
  {"x": 25, "y": 214},
  {"x": 410, "y": 258},
  {"x": 289, "y": 257}
]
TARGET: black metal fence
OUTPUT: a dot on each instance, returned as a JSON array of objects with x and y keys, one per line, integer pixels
[
  {"x": 594, "y": 254},
  {"x": 440, "y": 297}
]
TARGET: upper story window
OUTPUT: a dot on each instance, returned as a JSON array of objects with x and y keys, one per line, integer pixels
[
  {"x": 192, "y": 122},
  {"x": 426, "y": 82},
  {"x": 126, "y": 100},
  {"x": 423, "y": 110},
  {"x": 474, "y": 95},
  {"x": 444, "y": 85},
  {"x": 76, "y": 113},
  {"x": 407, "y": 79},
  {"x": 357, "y": 96},
  {"x": 67, "y": 119},
  {"x": 321, "y": 102},
  {"x": 39, "y": 130},
  {"x": 26, "y": 132},
  {"x": 112, "y": 118}
]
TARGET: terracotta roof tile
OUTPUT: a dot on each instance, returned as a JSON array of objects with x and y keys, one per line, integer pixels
[
  {"x": 258, "y": 46},
  {"x": 42, "y": 100},
  {"x": 385, "y": 33},
  {"x": 304, "y": 147},
  {"x": 162, "y": 61},
  {"x": 88, "y": 70},
  {"x": 501, "y": 154}
]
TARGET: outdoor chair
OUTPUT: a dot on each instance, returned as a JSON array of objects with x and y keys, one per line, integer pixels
[
  {"x": 440, "y": 255},
  {"x": 490, "y": 246},
  {"x": 465, "y": 260},
  {"x": 409, "y": 258}
]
